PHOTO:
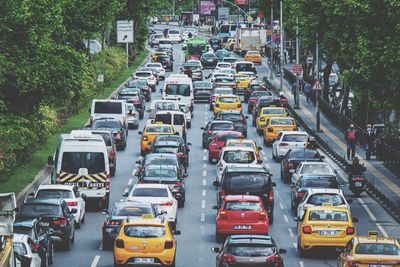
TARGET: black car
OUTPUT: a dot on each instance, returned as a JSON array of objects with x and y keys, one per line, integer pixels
[
  {"x": 172, "y": 144},
  {"x": 212, "y": 127},
  {"x": 253, "y": 99},
  {"x": 162, "y": 159},
  {"x": 215, "y": 43},
  {"x": 202, "y": 91},
  {"x": 294, "y": 157},
  {"x": 116, "y": 127},
  {"x": 120, "y": 212},
  {"x": 53, "y": 215},
  {"x": 249, "y": 251},
  {"x": 143, "y": 86},
  {"x": 299, "y": 188},
  {"x": 40, "y": 237},
  {"x": 209, "y": 60},
  {"x": 255, "y": 181},
  {"x": 169, "y": 175},
  {"x": 134, "y": 96},
  {"x": 254, "y": 85},
  {"x": 235, "y": 116},
  {"x": 166, "y": 62}
]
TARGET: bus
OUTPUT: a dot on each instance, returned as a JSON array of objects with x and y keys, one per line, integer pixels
[
  {"x": 195, "y": 47},
  {"x": 227, "y": 30}
]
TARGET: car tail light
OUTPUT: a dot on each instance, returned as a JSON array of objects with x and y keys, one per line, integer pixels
[
  {"x": 169, "y": 244},
  {"x": 262, "y": 119},
  {"x": 108, "y": 182},
  {"x": 145, "y": 138},
  {"x": 283, "y": 144},
  {"x": 222, "y": 215},
  {"x": 113, "y": 222},
  {"x": 209, "y": 132},
  {"x": 307, "y": 229},
  {"x": 60, "y": 221},
  {"x": 168, "y": 203},
  {"x": 262, "y": 215},
  {"x": 352, "y": 263},
  {"x": 179, "y": 183},
  {"x": 36, "y": 245},
  {"x": 72, "y": 203},
  {"x": 271, "y": 196},
  {"x": 300, "y": 194},
  {"x": 229, "y": 258},
  {"x": 350, "y": 231},
  {"x": 273, "y": 259},
  {"x": 239, "y": 105},
  {"x": 119, "y": 243}
]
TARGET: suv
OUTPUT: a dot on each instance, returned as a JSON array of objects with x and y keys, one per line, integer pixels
[
  {"x": 255, "y": 181},
  {"x": 54, "y": 216}
]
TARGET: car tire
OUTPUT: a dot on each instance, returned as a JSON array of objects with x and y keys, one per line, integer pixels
[
  {"x": 181, "y": 203},
  {"x": 106, "y": 246},
  {"x": 117, "y": 265},
  {"x": 302, "y": 252},
  {"x": 73, "y": 238},
  {"x": 254, "y": 121},
  {"x": 274, "y": 158},
  {"x": 219, "y": 238},
  {"x": 112, "y": 171}
]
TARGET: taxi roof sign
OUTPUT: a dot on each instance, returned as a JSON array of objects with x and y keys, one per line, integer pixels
[
  {"x": 147, "y": 216},
  {"x": 373, "y": 233},
  {"x": 327, "y": 204}
]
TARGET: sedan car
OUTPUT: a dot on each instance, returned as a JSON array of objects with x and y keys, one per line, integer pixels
[
  {"x": 287, "y": 140},
  {"x": 159, "y": 67},
  {"x": 223, "y": 66},
  {"x": 202, "y": 91},
  {"x": 238, "y": 119},
  {"x": 249, "y": 251},
  {"x": 209, "y": 60},
  {"x": 146, "y": 75},
  {"x": 312, "y": 168},
  {"x": 213, "y": 127}
]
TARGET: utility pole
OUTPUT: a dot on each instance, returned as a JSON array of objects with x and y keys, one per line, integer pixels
[
  {"x": 317, "y": 121},
  {"x": 272, "y": 40},
  {"x": 297, "y": 97},
  {"x": 173, "y": 8},
  {"x": 281, "y": 41}
]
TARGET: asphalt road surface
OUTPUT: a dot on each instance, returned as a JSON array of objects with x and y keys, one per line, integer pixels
[{"x": 197, "y": 219}]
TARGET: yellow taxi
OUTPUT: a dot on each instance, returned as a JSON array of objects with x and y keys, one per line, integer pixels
[
  {"x": 275, "y": 125},
  {"x": 371, "y": 250},
  {"x": 253, "y": 56},
  {"x": 245, "y": 143},
  {"x": 227, "y": 102},
  {"x": 156, "y": 54},
  {"x": 266, "y": 113},
  {"x": 145, "y": 241},
  {"x": 242, "y": 81},
  {"x": 150, "y": 132},
  {"x": 324, "y": 226}
]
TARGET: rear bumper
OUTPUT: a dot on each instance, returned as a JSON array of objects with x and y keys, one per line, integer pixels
[
  {"x": 226, "y": 227},
  {"x": 309, "y": 242},
  {"x": 166, "y": 257}
]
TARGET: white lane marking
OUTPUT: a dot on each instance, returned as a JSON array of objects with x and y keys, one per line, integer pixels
[
  {"x": 204, "y": 157},
  {"x": 286, "y": 218},
  {"x": 290, "y": 232},
  {"x": 203, "y": 193},
  {"x": 295, "y": 245},
  {"x": 204, "y": 182},
  {"x": 382, "y": 230},
  {"x": 95, "y": 261},
  {"x": 130, "y": 181},
  {"x": 101, "y": 246},
  {"x": 202, "y": 217},
  {"x": 203, "y": 204},
  {"x": 202, "y": 230},
  {"x": 204, "y": 173},
  {"x": 301, "y": 264},
  {"x": 281, "y": 205},
  {"x": 265, "y": 158},
  {"x": 205, "y": 151},
  {"x": 205, "y": 165},
  {"x": 371, "y": 215}
]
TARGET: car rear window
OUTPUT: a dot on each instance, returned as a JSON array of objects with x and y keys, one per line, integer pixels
[
  {"x": 105, "y": 124},
  {"x": 131, "y": 211},
  {"x": 249, "y": 250},
  {"x": 144, "y": 231},
  {"x": 282, "y": 122},
  {"x": 304, "y": 154},
  {"x": 228, "y": 99},
  {"x": 319, "y": 182},
  {"x": 108, "y": 107},
  {"x": 158, "y": 129},
  {"x": 224, "y": 137},
  {"x": 224, "y": 65},
  {"x": 54, "y": 193},
  {"x": 222, "y": 126},
  {"x": 164, "y": 118},
  {"x": 295, "y": 138},
  {"x": 161, "y": 172},
  {"x": 243, "y": 206},
  {"x": 143, "y": 74},
  {"x": 377, "y": 249},
  {"x": 150, "y": 192},
  {"x": 231, "y": 117},
  {"x": 165, "y": 149},
  {"x": 327, "y": 215},
  {"x": 246, "y": 181},
  {"x": 268, "y": 111},
  {"x": 92, "y": 161},
  {"x": 242, "y": 157},
  {"x": 106, "y": 137},
  {"x": 35, "y": 210},
  {"x": 316, "y": 168},
  {"x": 319, "y": 199},
  {"x": 221, "y": 91}
]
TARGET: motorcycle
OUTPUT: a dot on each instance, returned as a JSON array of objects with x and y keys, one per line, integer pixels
[{"x": 358, "y": 184}]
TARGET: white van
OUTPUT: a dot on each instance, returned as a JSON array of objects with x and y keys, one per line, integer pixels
[
  {"x": 81, "y": 159},
  {"x": 179, "y": 89},
  {"x": 174, "y": 35},
  {"x": 159, "y": 105},
  {"x": 175, "y": 118},
  {"x": 108, "y": 108}
]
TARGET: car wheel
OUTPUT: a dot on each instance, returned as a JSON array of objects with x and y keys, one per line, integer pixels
[
  {"x": 83, "y": 219},
  {"x": 302, "y": 252},
  {"x": 271, "y": 219},
  {"x": 274, "y": 156},
  {"x": 73, "y": 238},
  {"x": 45, "y": 261},
  {"x": 254, "y": 121},
  {"x": 112, "y": 171},
  {"x": 181, "y": 203},
  {"x": 106, "y": 246},
  {"x": 219, "y": 238}
]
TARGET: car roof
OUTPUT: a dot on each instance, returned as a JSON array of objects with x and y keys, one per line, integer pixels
[
  {"x": 294, "y": 132},
  {"x": 50, "y": 201},
  {"x": 328, "y": 207},
  {"x": 220, "y": 121},
  {"x": 315, "y": 163},
  {"x": 242, "y": 197},
  {"x": 254, "y": 239},
  {"x": 56, "y": 186},
  {"x": 259, "y": 169},
  {"x": 312, "y": 191},
  {"x": 377, "y": 239}
]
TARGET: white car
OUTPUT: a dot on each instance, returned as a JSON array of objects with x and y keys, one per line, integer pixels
[
  {"x": 215, "y": 75},
  {"x": 312, "y": 168},
  {"x": 236, "y": 157},
  {"x": 155, "y": 39},
  {"x": 158, "y": 194},
  {"x": 221, "y": 66},
  {"x": 287, "y": 140},
  {"x": 148, "y": 76},
  {"x": 193, "y": 31},
  {"x": 71, "y": 195},
  {"x": 23, "y": 246},
  {"x": 159, "y": 67},
  {"x": 319, "y": 196},
  {"x": 230, "y": 60},
  {"x": 174, "y": 35}
]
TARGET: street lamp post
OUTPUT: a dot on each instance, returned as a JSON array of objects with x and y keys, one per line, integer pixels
[
  {"x": 272, "y": 39},
  {"x": 297, "y": 97},
  {"x": 281, "y": 45},
  {"x": 317, "y": 121}
]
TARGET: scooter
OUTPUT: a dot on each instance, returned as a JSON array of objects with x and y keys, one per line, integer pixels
[{"x": 358, "y": 184}]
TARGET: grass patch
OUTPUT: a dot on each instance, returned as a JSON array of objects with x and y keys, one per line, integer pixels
[{"x": 25, "y": 174}]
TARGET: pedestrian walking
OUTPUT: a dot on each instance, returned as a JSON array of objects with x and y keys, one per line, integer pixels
[
  {"x": 369, "y": 138},
  {"x": 307, "y": 91},
  {"x": 351, "y": 139}
]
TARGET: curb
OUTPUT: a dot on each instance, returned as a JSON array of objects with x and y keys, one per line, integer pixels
[{"x": 46, "y": 170}]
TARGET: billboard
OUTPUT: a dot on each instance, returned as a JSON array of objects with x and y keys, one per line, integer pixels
[
  {"x": 206, "y": 7},
  {"x": 241, "y": 2},
  {"x": 223, "y": 13}
]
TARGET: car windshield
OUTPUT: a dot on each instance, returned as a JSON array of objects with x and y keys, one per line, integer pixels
[
  {"x": 243, "y": 157},
  {"x": 317, "y": 168},
  {"x": 136, "y": 211},
  {"x": 178, "y": 89},
  {"x": 35, "y": 210},
  {"x": 295, "y": 138},
  {"x": 54, "y": 193},
  {"x": 108, "y": 107},
  {"x": 304, "y": 153},
  {"x": 224, "y": 65},
  {"x": 202, "y": 84},
  {"x": 144, "y": 231},
  {"x": 158, "y": 129},
  {"x": 150, "y": 192},
  {"x": 143, "y": 74},
  {"x": 321, "y": 198},
  {"x": 377, "y": 249},
  {"x": 282, "y": 122},
  {"x": 154, "y": 65},
  {"x": 269, "y": 102},
  {"x": 160, "y": 172},
  {"x": 275, "y": 111},
  {"x": 327, "y": 215},
  {"x": 105, "y": 124},
  {"x": 162, "y": 162},
  {"x": 138, "y": 83},
  {"x": 319, "y": 182},
  {"x": 231, "y": 117},
  {"x": 249, "y": 250},
  {"x": 246, "y": 181},
  {"x": 92, "y": 161},
  {"x": 243, "y": 206},
  {"x": 228, "y": 99},
  {"x": 222, "y": 126}
]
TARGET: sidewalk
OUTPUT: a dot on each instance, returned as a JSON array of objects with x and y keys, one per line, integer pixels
[{"x": 377, "y": 173}]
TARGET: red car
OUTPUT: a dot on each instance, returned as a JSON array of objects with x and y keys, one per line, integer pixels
[
  {"x": 218, "y": 142},
  {"x": 241, "y": 214}
]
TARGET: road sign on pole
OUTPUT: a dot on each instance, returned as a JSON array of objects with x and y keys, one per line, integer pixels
[
  {"x": 125, "y": 31},
  {"x": 317, "y": 86},
  {"x": 297, "y": 68}
]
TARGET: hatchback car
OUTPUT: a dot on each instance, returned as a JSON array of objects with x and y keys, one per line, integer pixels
[
  {"x": 287, "y": 140},
  {"x": 218, "y": 141},
  {"x": 227, "y": 102},
  {"x": 202, "y": 91}
]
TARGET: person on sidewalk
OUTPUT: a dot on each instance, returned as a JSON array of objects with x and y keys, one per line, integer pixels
[
  {"x": 307, "y": 91},
  {"x": 351, "y": 139},
  {"x": 369, "y": 138}
]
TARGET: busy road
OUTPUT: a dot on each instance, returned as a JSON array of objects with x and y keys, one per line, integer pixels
[{"x": 196, "y": 220}]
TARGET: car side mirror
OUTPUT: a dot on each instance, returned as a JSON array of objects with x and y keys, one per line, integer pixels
[
  {"x": 125, "y": 194},
  {"x": 140, "y": 132},
  {"x": 189, "y": 144},
  {"x": 177, "y": 232},
  {"x": 73, "y": 211},
  {"x": 202, "y": 128},
  {"x": 273, "y": 184},
  {"x": 282, "y": 251},
  {"x": 216, "y": 250},
  {"x": 215, "y": 207},
  {"x": 355, "y": 220},
  {"x": 31, "y": 194},
  {"x": 296, "y": 219},
  {"x": 216, "y": 183},
  {"x": 50, "y": 160}
]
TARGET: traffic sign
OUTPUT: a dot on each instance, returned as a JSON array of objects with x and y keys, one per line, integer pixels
[
  {"x": 297, "y": 68},
  {"x": 249, "y": 19},
  {"x": 125, "y": 31},
  {"x": 317, "y": 86}
]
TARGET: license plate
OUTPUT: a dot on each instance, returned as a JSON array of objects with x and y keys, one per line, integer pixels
[
  {"x": 358, "y": 184},
  {"x": 242, "y": 227},
  {"x": 144, "y": 260},
  {"x": 327, "y": 232},
  {"x": 44, "y": 223}
]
